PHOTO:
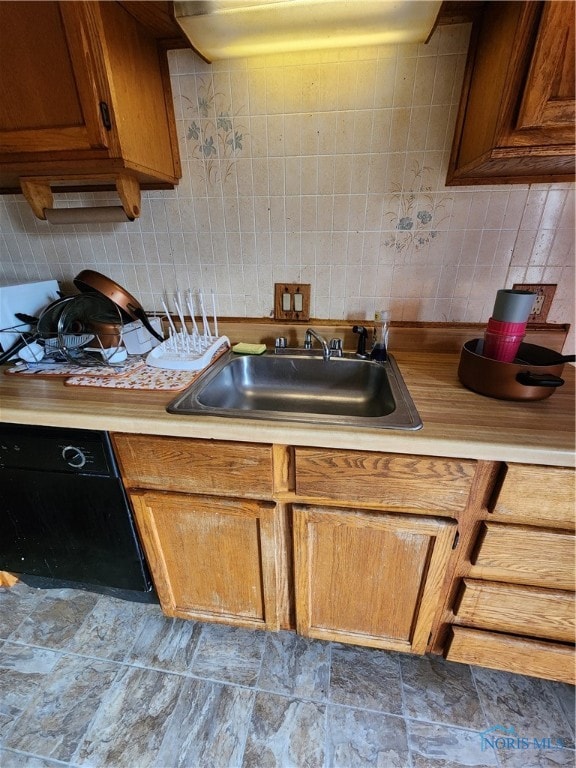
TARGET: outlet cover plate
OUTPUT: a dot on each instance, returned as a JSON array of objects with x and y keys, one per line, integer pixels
[
  {"x": 545, "y": 293},
  {"x": 291, "y": 289}
]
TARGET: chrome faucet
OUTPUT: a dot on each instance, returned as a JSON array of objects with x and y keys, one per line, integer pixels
[{"x": 326, "y": 351}]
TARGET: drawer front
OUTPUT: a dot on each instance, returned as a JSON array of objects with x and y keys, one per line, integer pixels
[
  {"x": 524, "y": 555},
  {"x": 393, "y": 481},
  {"x": 195, "y": 466},
  {"x": 536, "y": 495},
  {"x": 517, "y": 609},
  {"x": 538, "y": 658}
]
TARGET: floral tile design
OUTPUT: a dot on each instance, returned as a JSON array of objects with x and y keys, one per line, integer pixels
[
  {"x": 419, "y": 212},
  {"x": 215, "y": 137}
]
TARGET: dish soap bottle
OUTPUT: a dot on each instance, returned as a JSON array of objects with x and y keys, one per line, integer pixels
[{"x": 382, "y": 322}]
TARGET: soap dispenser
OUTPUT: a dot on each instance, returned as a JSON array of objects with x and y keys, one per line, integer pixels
[{"x": 382, "y": 322}]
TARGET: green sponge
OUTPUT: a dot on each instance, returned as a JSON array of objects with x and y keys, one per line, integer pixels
[{"x": 242, "y": 348}]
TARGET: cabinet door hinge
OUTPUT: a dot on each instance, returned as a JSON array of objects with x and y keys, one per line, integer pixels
[
  {"x": 105, "y": 114},
  {"x": 456, "y": 540}
]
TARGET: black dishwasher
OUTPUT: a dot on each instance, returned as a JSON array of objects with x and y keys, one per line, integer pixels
[{"x": 64, "y": 513}]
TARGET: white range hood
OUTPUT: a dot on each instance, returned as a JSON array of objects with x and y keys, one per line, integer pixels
[{"x": 226, "y": 29}]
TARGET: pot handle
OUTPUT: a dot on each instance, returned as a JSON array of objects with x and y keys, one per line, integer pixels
[{"x": 529, "y": 379}]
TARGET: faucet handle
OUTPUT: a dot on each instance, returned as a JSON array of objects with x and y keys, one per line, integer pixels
[{"x": 336, "y": 347}]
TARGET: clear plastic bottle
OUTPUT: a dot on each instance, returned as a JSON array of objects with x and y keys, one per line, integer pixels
[{"x": 382, "y": 322}]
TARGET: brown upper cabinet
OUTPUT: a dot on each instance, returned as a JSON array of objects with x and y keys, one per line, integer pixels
[
  {"x": 85, "y": 98},
  {"x": 517, "y": 110}
]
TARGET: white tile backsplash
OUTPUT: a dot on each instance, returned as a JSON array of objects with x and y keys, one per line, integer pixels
[{"x": 326, "y": 168}]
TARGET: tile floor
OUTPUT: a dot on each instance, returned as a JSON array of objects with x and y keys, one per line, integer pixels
[{"x": 91, "y": 680}]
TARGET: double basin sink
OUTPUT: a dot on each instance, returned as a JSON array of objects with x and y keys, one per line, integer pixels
[{"x": 345, "y": 391}]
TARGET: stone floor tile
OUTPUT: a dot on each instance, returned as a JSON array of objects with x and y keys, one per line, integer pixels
[
  {"x": 536, "y": 758},
  {"x": 23, "y": 673},
  {"x": 9, "y": 759},
  {"x": 267, "y": 699},
  {"x": 132, "y": 720},
  {"x": 16, "y": 603},
  {"x": 444, "y": 746},
  {"x": 526, "y": 704},
  {"x": 295, "y": 666},
  {"x": 366, "y": 678},
  {"x": 229, "y": 654},
  {"x": 440, "y": 691},
  {"x": 58, "y": 717},
  {"x": 56, "y": 618},
  {"x": 285, "y": 733},
  {"x": 361, "y": 739},
  {"x": 110, "y": 629},
  {"x": 165, "y": 643},
  {"x": 566, "y": 695},
  {"x": 208, "y": 727}
]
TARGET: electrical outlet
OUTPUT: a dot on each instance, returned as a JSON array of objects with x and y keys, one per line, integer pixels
[
  {"x": 542, "y": 301},
  {"x": 291, "y": 301}
]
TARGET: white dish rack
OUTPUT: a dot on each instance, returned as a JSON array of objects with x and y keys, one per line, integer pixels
[
  {"x": 184, "y": 350},
  {"x": 179, "y": 354}
]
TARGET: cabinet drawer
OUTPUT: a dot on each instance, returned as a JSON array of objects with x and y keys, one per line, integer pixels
[
  {"x": 536, "y": 495},
  {"x": 194, "y": 466},
  {"x": 539, "y": 658},
  {"x": 516, "y": 609},
  {"x": 393, "y": 481},
  {"x": 524, "y": 555}
]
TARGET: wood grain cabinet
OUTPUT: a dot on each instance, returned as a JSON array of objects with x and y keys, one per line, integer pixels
[
  {"x": 212, "y": 558},
  {"x": 278, "y": 537},
  {"x": 473, "y": 559},
  {"x": 372, "y": 545},
  {"x": 517, "y": 109},
  {"x": 215, "y": 540},
  {"x": 515, "y": 606},
  {"x": 369, "y": 578},
  {"x": 85, "y": 96}
]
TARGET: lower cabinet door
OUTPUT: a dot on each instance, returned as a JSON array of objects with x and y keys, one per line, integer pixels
[
  {"x": 369, "y": 578},
  {"x": 212, "y": 558}
]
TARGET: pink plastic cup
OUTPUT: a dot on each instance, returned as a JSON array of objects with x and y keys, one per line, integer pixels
[
  {"x": 507, "y": 329},
  {"x": 501, "y": 346}
]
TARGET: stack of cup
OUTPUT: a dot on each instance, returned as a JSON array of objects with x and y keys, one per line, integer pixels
[{"x": 507, "y": 326}]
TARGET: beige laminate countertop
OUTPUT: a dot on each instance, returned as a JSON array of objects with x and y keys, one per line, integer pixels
[{"x": 457, "y": 422}]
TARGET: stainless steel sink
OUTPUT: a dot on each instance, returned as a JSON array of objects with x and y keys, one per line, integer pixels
[{"x": 343, "y": 390}]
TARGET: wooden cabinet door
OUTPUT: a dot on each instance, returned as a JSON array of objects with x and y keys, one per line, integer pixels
[
  {"x": 516, "y": 114},
  {"x": 549, "y": 93},
  {"x": 369, "y": 578},
  {"x": 212, "y": 558},
  {"x": 53, "y": 79}
]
